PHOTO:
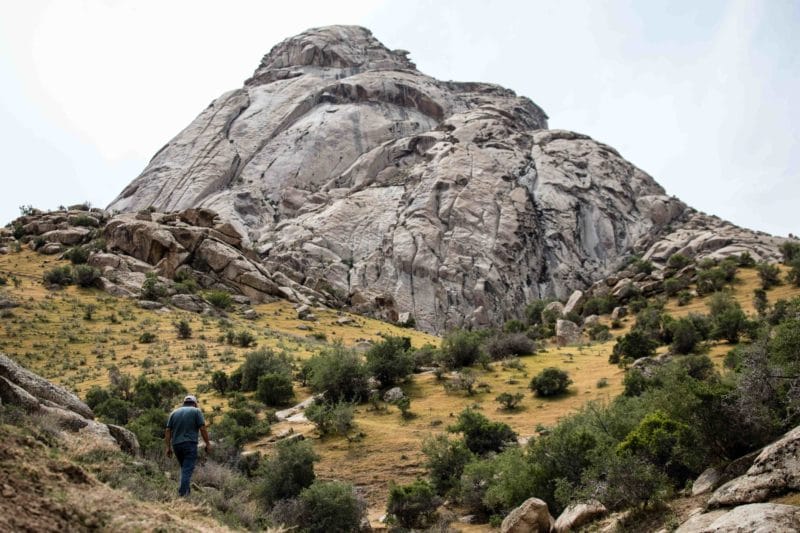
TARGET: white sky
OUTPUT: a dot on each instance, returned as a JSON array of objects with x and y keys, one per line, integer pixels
[{"x": 698, "y": 94}]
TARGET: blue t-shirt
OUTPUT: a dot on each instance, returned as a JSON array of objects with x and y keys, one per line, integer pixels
[{"x": 184, "y": 422}]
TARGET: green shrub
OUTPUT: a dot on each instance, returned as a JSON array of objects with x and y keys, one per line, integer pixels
[
  {"x": 634, "y": 345},
  {"x": 446, "y": 459},
  {"x": 673, "y": 286},
  {"x": 460, "y": 348},
  {"x": 339, "y": 373},
  {"x": 152, "y": 288},
  {"x": 243, "y": 338},
  {"x": 684, "y": 297},
  {"x": 509, "y": 401},
  {"x": 219, "y": 299},
  {"x": 621, "y": 481},
  {"x": 413, "y": 505},
  {"x": 506, "y": 344},
  {"x": 149, "y": 430},
  {"x": 183, "y": 329},
  {"x": 389, "y": 361},
  {"x": 514, "y": 326},
  {"x": 769, "y": 274},
  {"x": 642, "y": 266},
  {"x": 77, "y": 255},
  {"x": 710, "y": 280},
  {"x": 86, "y": 276},
  {"x": 275, "y": 389},
  {"x": 684, "y": 336},
  {"x": 59, "y": 276},
  {"x": 219, "y": 381},
  {"x": 664, "y": 442},
  {"x": 185, "y": 283},
  {"x": 745, "y": 260},
  {"x": 790, "y": 251},
  {"x": 96, "y": 395},
  {"x": 260, "y": 362},
  {"x": 331, "y": 418},
  {"x": 727, "y": 318},
  {"x": 599, "y": 332},
  {"x": 239, "y": 426},
  {"x": 147, "y": 337},
  {"x": 678, "y": 261},
  {"x": 157, "y": 393},
  {"x": 599, "y": 305},
  {"x": 793, "y": 276},
  {"x": 288, "y": 471},
  {"x": 482, "y": 435},
  {"x": 550, "y": 382},
  {"x": 330, "y": 507},
  {"x": 115, "y": 410}
]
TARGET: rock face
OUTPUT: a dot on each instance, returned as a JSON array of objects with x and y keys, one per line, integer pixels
[
  {"x": 578, "y": 514},
  {"x": 355, "y": 175},
  {"x": 753, "y": 518},
  {"x": 774, "y": 472},
  {"x": 34, "y": 394},
  {"x": 530, "y": 517}
]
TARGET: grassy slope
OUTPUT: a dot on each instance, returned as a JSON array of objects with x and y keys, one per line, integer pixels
[{"x": 49, "y": 334}]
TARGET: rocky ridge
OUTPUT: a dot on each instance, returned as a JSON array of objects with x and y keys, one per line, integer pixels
[{"x": 365, "y": 181}]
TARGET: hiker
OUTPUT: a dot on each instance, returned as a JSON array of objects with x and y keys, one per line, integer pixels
[{"x": 181, "y": 437}]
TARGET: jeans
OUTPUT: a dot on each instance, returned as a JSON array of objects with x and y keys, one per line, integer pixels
[{"x": 186, "y": 454}]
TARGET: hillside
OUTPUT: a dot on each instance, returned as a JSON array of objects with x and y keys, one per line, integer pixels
[{"x": 51, "y": 333}]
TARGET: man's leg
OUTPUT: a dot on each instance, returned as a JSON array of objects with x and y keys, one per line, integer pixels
[{"x": 187, "y": 461}]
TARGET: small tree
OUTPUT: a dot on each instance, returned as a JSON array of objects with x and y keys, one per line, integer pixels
[
  {"x": 330, "y": 507},
  {"x": 331, "y": 418},
  {"x": 509, "y": 401},
  {"x": 770, "y": 275},
  {"x": 390, "y": 361},
  {"x": 482, "y": 435},
  {"x": 684, "y": 336},
  {"x": 288, "y": 471},
  {"x": 260, "y": 362},
  {"x": 339, "y": 373},
  {"x": 152, "y": 288},
  {"x": 183, "y": 329},
  {"x": 413, "y": 505},
  {"x": 275, "y": 389},
  {"x": 678, "y": 261},
  {"x": 550, "y": 382},
  {"x": 59, "y": 276},
  {"x": 460, "y": 348},
  {"x": 634, "y": 345},
  {"x": 446, "y": 459},
  {"x": 219, "y": 381}
]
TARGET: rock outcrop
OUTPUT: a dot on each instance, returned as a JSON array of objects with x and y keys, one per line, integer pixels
[
  {"x": 530, "y": 517},
  {"x": 774, "y": 472},
  {"x": 34, "y": 394},
  {"x": 353, "y": 174},
  {"x": 578, "y": 514},
  {"x": 753, "y": 518}
]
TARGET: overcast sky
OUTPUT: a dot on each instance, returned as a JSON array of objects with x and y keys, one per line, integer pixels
[{"x": 697, "y": 94}]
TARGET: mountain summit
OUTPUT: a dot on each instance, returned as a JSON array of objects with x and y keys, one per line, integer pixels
[{"x": 355, "y": 175}]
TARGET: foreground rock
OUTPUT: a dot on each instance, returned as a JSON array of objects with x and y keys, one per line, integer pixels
[
  {"x": 530, "y": 517},
  {"x": 774, "y": 472},
  {"x": 34, "y": 394},
  {"x": 578, "y": 514},
  {"x": 752, "y": 518},
  {"x": 357, "y": 177}
]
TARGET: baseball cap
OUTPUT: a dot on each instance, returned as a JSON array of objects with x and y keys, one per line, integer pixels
[{"x": 190, "y": 399}]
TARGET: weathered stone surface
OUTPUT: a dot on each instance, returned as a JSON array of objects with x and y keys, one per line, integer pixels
[
  {"x": 619, "y": 312},
  {"x": 578, "y": 514},
  {"x": 149, "y": 304},
  {"x": 126, "y": 439},
  {"x": 67, "y": 237},
  {"x": 187, "y": 302},
  {"x": 394, "y": 394},
  {"x": 530, "y": 517},
  {"x": 555, "y": 307},
  {"x": 575, "y": 300},
  {"x": 51, "y": 248},
  {"x": 774, "y": 472},
  {"x": 567, "y": 332},
  {"x": 707, "y": 481},
  {"x": 372, "y": 184},
  {"x": 752, "y": 518},
  {"x": 41, "y": 388},
  {"x": 12, "y": 394},
  {"x": 591, "y": 320}
]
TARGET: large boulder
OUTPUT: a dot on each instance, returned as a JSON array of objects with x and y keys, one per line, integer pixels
[
  {"x": 574, "y": 302},
  {"x": 42, "y": 389},
  {"x": 774, "y": 472},
  {"x": 751, "y": 518},
  {"x": 567, "y": 332},
  {"x": 578, "y": 514},
  {"x": 530, "y": 517}
]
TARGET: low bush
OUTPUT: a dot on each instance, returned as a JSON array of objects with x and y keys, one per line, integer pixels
[
  {"x": 678, "y": 261},
  {"x": 769, "y": 274},
  {"x": 153, "y": 288},
  {"x": 339, "y": 373},
  {"x": 86, "y": 276},
  {"x": 219, "y": 299},
  {"x": 460, "y": 348},
  {"x": 147, "y": 337},
  {"x": 183, "y": 329},
  {"x": 77, "y": 255},
  {"x": 331, "y": 418},
  {"x": 633, "y": 345},
  {"x": 550, "y": 382},
  {"x": 389, "y": 360},
  {"x": 599, "y": 332},
  {"x": 446, "y": 459},
  {"x": 330, "y": 507},
  {"x": 509, "y": 401},
  {"x": 275, "y": 389},
  {"x": 288, "y": 471},
  {"x": 260, "y": 362},
  {"x": 412, "y": 506},
  {"x": 219, "y": 381},
  {"x": 59, "y": 276},
  {"x": 507, "y": 344},
  {"x": 481, "y": 435}
]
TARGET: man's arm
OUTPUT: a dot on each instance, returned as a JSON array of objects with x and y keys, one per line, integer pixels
[
  {"x": 168, "y": 441},
  {"x": 204, "y": 433}
]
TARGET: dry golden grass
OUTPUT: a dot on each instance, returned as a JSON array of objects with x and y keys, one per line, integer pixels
[{"x": 49, "y": 334}]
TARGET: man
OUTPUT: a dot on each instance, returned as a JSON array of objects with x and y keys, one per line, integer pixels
[{"x": 181, "y": 437}]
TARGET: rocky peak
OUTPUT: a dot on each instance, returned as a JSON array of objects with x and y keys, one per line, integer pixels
[
  {"x": 352, "y": 174},
  {"x": 333, "y": 47}
]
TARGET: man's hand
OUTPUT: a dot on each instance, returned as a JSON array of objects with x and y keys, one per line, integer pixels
[
  {"x": 208, "y": 448},
  {"x": 168, "y": 451}
]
